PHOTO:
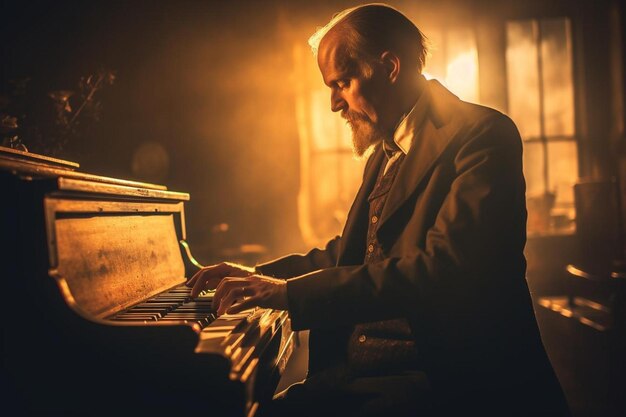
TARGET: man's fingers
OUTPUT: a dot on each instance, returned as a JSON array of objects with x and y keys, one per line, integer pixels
[
  {"x": 251, "y": 291},
  {"x": 226, "y": 286},
  {"x": 198, "y": 287},
  {"x": 233, "y": 295},
  {"x": 210, "y": 276},
  {"x": 201, "y": 282},
  {"x": 206, "y": 278},
  {"x": 206, "y": 273}
]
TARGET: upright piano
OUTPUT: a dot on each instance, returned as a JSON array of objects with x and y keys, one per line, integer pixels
[{"x": 97, "y": 317}]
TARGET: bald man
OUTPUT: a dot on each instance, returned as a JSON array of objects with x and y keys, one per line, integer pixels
[{"x": 421, "y": 306}]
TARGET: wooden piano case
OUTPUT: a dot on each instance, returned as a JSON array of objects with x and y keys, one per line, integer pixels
[{"x": 77, "y": 250}]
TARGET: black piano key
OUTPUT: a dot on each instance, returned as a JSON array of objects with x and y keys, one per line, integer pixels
[
  {"x": 155, "y": 304},
  {"x": 192, "y": 304},
  {"x": 136, "y": 321},
  {"x": 181, "y": 290},
  {"x": 143, "y": 310},
  {"x": 136, "y": 313},
  {"x": 162, "y": 302},
  {"x": 168, "y": 297},
  {"x": 173, "y": 305},
  {"x": 147, "y": 311},
  {"x": 191, "y": 310},
  {"x": 148, "y": 315},
  {"x": 162, "y": 306},
  {"x": 139, "y": 319}
]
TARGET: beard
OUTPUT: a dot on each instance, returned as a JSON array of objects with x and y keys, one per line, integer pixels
[{"x": 365, "y": 134}]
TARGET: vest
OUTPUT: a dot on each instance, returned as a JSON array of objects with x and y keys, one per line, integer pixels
[{"x": 387, "y": 346}]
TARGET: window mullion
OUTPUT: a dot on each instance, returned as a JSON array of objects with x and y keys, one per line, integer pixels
[{"x": 542, "y": 119}]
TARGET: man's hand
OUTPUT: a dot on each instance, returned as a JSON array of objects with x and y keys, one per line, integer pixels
[
  {"x": 237, "y": 294},
  {"x": 209, "y": 277}
]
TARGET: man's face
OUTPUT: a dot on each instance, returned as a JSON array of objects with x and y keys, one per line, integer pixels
[{"x": 354, "y": 91}]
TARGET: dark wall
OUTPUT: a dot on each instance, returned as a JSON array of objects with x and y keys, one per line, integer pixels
[{"x": 208, "y": 81}]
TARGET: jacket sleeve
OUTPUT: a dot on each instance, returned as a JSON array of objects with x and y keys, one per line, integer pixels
[
  {"x": 297, "y": 264},
  {"x": 478, "y": 233}
]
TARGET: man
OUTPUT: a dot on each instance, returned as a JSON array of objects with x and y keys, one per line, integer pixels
[{"x": 421, "y": 306}]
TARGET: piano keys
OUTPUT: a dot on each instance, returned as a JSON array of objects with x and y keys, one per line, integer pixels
[{"x": 98, "y": 319}]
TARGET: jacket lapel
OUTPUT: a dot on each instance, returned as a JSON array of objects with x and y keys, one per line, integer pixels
[
  {"x": 352, "y": 248},
  {"x": 428, "y": 145}
]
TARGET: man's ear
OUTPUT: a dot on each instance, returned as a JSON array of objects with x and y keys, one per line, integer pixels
[{"x": 391, "y": 63}]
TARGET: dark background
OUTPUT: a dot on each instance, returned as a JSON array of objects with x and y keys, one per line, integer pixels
[{"x": 209, "y": 81}]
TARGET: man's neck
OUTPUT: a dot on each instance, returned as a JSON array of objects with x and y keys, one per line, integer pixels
[
  {"x": 412, "y": 91},
  {"x": 408, "y": 122},
  {"x": 408, "y": 92}
]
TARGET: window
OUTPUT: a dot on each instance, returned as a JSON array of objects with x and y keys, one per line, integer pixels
[
  {"x": 453, "y": 61},
  {"x": 541, "y": 102}
]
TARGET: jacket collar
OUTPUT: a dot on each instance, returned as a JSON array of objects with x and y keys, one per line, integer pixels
[
  {"x": 411, "y": 123},
  {"x": 437, "y": 131}
]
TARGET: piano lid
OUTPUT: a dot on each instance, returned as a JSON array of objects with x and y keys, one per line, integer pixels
[
  {"x": 34, "y": 157},
  {"x": 112, "y": 262},
  {"x": 31, "y": 165}
]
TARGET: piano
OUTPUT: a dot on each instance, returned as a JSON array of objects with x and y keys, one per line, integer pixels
[{"x": 97, "y": 317}]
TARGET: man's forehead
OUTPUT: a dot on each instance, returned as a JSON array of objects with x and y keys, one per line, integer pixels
[
  {"x": 329, "y": 46},
  {"x": 333, "y": 57}
]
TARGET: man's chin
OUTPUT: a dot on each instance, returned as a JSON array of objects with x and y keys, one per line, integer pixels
[
  {"x": 363, "y": 150},
  {"x": 364, "y": 154},
  {"x": 365, "y": 137}
]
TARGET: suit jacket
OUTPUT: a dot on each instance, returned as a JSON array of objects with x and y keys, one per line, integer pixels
[{"x": 453, "y": 231}]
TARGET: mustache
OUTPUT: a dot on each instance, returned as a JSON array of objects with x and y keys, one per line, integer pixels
[{"x": 351, "y": 117}]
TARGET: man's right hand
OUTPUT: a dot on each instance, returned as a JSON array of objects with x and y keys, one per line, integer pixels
[{"x": 210, "y": 276}]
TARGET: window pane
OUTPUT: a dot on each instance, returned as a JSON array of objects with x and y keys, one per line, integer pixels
[
  {"x": 462, "y": 64},
  {"x": 453, "y": 61},
  {"x": 556, "y": 55},
  {"x": 522, "y": 76},
  {"x": 350, "y": 176},
  {"x": 336, "y": 178},
  {"x": 328, "y": 130},
  {"x": 563, "y": 172},
  {"x": 533, "y": 168},
  {"x": 323, "y": 202}
]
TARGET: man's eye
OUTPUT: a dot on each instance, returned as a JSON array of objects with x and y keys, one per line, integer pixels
[{"x": 343, "y": 84}]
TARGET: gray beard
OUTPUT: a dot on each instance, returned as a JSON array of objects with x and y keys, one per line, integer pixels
[{"x": 365, "y": 135}]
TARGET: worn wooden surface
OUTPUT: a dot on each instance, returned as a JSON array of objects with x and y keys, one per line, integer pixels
[{"x": 111, "y": 262}]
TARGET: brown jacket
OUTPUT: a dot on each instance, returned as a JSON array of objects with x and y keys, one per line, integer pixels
[{"x": 453, "y": 230}]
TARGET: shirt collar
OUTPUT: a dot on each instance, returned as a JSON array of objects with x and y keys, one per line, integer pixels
[{"x": 410, "y": 124}]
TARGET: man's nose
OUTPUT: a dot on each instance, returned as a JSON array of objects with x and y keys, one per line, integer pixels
[{"x": 337, "y": 103}]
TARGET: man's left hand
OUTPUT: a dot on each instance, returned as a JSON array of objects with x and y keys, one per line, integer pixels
[{"x": 234, "y": 295}]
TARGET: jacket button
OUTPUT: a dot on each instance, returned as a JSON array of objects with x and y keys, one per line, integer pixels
[
  {"x": 362, "y": 338},
  {"x": 370, "y": 248},
  {"x": 374, "y": 219}
]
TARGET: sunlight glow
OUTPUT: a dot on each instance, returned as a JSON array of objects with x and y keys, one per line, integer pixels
[{"x": 462, "y": 75}]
